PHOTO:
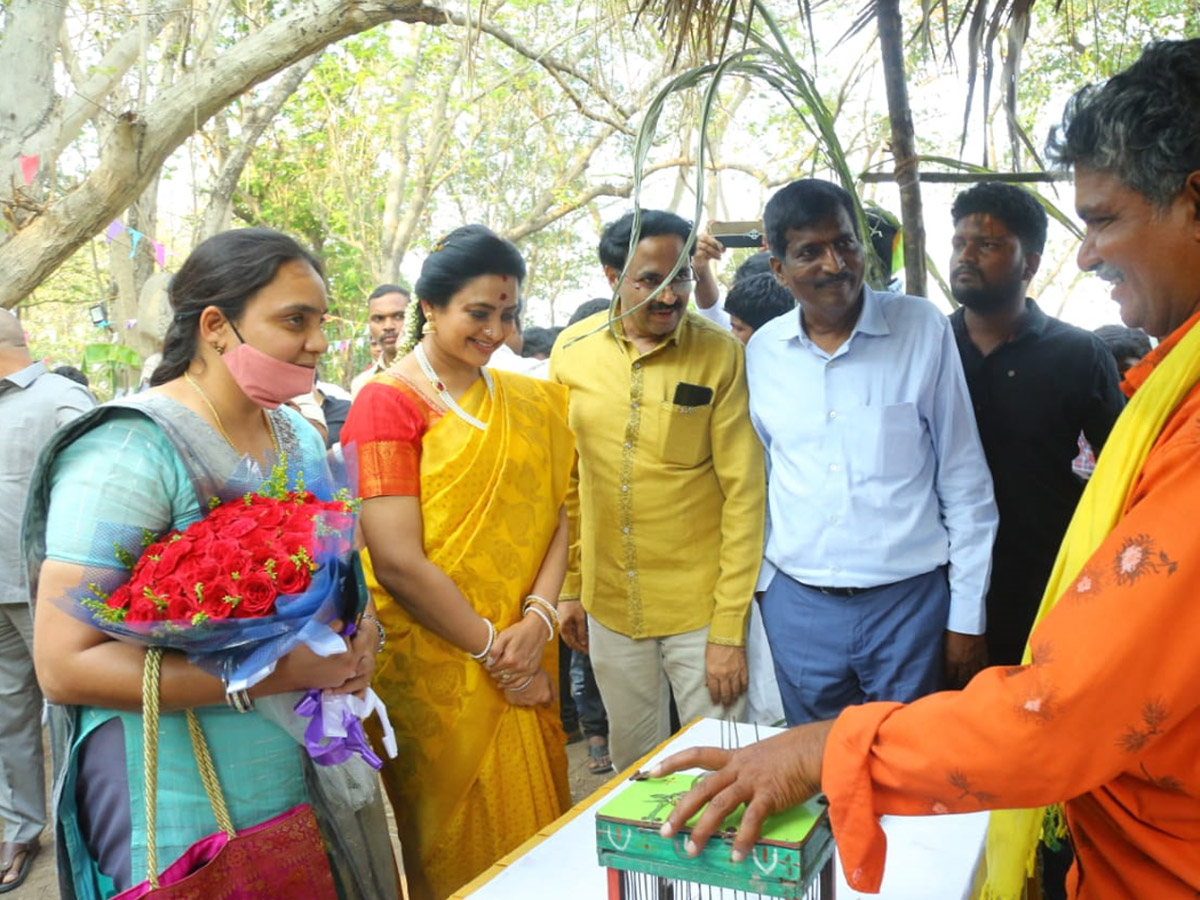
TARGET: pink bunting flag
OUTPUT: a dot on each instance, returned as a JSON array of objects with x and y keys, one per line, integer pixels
[
  {"x": 114, "y": 230},
  {"x": 160, "y": 253},
  {"x": 29, "y": 168}
]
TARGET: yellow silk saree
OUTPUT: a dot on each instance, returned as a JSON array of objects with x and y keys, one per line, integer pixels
[{"x": 475, "y": 777}]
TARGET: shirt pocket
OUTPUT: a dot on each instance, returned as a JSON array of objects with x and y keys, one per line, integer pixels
[
  {"x": 684, "y": 438},
  {"x": 886, "y": 442}
]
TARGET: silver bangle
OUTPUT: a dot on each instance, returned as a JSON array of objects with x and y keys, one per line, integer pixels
[
  {"x": 367, "y": 617},
  {"x": 524, "y": 684},
  {"x": 482, "y": 654},
  {"x": 239, "y": 701},
  {"x": 541, "y": 615}
]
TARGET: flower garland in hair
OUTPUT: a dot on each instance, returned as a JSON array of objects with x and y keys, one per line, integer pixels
[{"x": 414, "y": 321}]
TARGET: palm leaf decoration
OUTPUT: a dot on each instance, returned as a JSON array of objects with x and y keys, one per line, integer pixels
[{"x": 764, "y": 57}]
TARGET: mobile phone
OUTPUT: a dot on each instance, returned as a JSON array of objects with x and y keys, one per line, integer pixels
[
  {"x": 692, "y": 394},
  {"x": 738, "y": 234}
]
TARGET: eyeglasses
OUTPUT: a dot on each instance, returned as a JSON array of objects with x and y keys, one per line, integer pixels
[{"x": 681, "y": 285}]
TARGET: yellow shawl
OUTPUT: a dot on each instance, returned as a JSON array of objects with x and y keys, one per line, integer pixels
[{"x": 1011, "y": 852}]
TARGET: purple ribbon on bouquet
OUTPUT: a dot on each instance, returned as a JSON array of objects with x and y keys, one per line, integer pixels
[{"x": 331, "y": 743}]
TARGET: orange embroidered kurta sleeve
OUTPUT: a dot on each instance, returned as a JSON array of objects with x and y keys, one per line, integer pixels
[
  {"x": 382, "y": 438},
  {"x": 1108, "y": 712}
]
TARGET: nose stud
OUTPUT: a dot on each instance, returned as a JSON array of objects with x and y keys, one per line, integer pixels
[{"x": 488, "y": 332}]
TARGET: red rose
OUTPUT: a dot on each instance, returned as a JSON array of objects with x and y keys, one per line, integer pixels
[
  {"x": 239, "y": 527},
  {"x": 267, "y": 516},
  {"x": 259, "y": 556},
  {"x": 258, "y": 596},
  {"x": 182, "y": 604},
  {"x": 198, "y": 570},
  {"x": 220, "y": 599},
  {"x": 225, "y": 554},
  {"x": 297, "y": 536},
  {"x": 242, "y": 564},
  {"x": 142, "y": 609},
  {"x": 176, "y": 551},
  {"x": 119, "y": 599},
  {"x": 291, "y": 578}
]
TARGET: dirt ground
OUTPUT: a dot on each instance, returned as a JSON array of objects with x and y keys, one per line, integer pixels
[{"x": 42, "y": 883}]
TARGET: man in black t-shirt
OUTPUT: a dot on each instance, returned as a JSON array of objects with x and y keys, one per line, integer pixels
[{"x": 1035, "y": 383}]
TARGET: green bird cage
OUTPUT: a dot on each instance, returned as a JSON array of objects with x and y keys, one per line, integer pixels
[{"x": 792, "y": 859}]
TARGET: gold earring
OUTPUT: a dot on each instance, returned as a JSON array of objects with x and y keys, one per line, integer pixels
[
  {"x": 428, "y": 328},
  {"x": 220, "y": 348}
]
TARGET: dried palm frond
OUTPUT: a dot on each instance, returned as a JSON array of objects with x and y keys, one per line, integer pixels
[
  {"x": 765, "y": 58},
  {"x": 702, "y": 27}
]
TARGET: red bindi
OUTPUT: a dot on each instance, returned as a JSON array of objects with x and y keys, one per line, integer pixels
[{"x": 503, "y": 297}]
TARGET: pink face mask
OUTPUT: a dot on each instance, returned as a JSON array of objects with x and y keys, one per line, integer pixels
[{"x": 263, "y": 378}]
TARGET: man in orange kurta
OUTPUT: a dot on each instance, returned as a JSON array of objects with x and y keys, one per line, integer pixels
[{"x": 1106, "y": 715}]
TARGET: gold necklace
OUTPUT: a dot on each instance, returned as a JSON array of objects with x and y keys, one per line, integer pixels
[{"x": 221, "y": 425}]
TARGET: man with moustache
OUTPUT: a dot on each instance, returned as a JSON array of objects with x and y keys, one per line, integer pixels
[
  {"x": 385, "y": 320},
  {"x": 666, "y": 505},
  {"x": 1036, "y": 384},
  {"x": 880, "y": 512},
  {"x": 1104, "y": 718}
]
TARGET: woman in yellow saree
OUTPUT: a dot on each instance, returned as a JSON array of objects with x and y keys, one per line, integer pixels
[{"x": 463, "y": 473}]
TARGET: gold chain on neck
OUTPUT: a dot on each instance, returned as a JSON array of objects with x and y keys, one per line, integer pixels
[{"x": 221, "y": 425}]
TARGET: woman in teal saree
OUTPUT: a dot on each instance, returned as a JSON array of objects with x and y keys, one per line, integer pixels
[{"x": 245, "y": 337}]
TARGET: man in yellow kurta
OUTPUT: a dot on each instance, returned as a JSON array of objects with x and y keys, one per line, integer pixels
[{"x": 666, "y": 506}]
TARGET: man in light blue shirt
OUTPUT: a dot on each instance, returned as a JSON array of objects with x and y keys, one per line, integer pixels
[{"x": 881, "y": 517}]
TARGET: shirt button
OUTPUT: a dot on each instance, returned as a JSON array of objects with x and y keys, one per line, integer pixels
[
  {"x": 833, "y": 520},
  {"x": 624, "y": 487},
  {"x": 1011, "y": 373},
  {"x": 627, "y": 529},
  {"x": 833, "y": 414},
  {"x": 634, "y": 404},
  {"x": 637, "y": 365},
  {"x": 631, "y": 573},
  {"x": 628, "y": 445},
  {"x": 833, "y": 467}
]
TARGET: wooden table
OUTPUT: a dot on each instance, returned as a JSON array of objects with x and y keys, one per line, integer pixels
[{"x": 928, "y": 856}]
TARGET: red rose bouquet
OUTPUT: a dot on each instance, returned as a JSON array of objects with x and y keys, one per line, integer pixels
[{"x": 241, "y": 587}]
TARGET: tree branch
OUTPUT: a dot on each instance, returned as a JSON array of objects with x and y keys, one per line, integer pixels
[
  {"x": 141, "y": 141},
  {"x": 216, "y": 215}
]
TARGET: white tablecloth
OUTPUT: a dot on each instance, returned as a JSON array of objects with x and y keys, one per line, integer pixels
[{"x": 928, "y": 857}]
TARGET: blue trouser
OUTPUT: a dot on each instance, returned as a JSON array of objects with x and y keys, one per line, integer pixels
[
  {"x": 566, "y": 709},
  {"x": 587, "y": 696},
  {"x": 832, "y": 651}
]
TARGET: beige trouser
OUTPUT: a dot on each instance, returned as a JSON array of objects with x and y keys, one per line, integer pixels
[{"x": 634, "y": 675}]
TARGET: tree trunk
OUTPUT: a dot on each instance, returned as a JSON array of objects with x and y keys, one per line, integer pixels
[
  {"x": 26, "y": 46},
  {"x": 140, "y": 141},
  {"x": 904, "y": 151}
]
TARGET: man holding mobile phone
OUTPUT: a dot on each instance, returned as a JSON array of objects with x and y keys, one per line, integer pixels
[{"x": 667, "y": 502}]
